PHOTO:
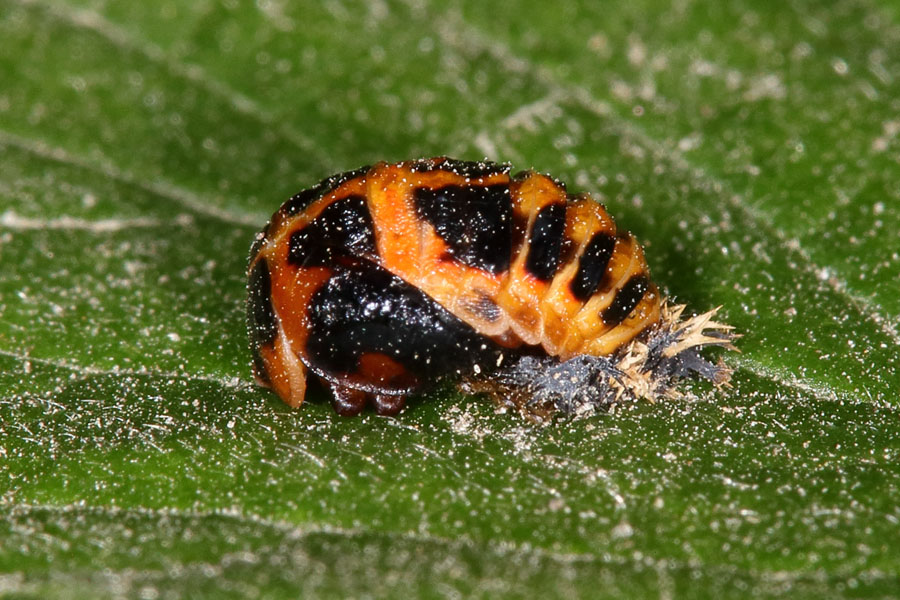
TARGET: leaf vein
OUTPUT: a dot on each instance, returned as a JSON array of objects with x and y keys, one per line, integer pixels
[
  {"x": 162, "y": 189},
  {"x": 93, "y": 21}
]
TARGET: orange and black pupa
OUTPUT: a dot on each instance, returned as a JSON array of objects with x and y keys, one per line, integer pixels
[{"x": 384, "y": 280}]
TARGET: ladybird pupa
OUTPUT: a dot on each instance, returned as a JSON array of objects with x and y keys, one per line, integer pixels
[{"x": 386, "y": 279}]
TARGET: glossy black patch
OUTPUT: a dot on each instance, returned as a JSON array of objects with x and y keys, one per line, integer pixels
[
  {"x": 592, "y": 266},
  {"x": 626, "y": 300},
  {"x": 261, "y": 319},
  {"x": 463, "y": 168},
  {"x": 343, "y": 228},
  {"x": 300, "y": 201},
  {"x": 475, "y": 222},
  {"x": 364, "y": 308},
  {"x": 545, "y": 241}
]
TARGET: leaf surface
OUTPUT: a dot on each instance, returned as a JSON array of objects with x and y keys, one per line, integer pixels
[{"x": 752, "y": 149}]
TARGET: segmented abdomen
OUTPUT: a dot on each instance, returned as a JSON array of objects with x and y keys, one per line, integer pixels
[
  {"x": 511, "y": 261},
  {"x": 517, "y": 258}
]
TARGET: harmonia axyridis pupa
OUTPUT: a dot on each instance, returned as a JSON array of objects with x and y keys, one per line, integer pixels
[{"x": 383, "y": 280}]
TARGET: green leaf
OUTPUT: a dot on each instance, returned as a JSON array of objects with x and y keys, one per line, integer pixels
[{"x": 752, "y": 147}]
